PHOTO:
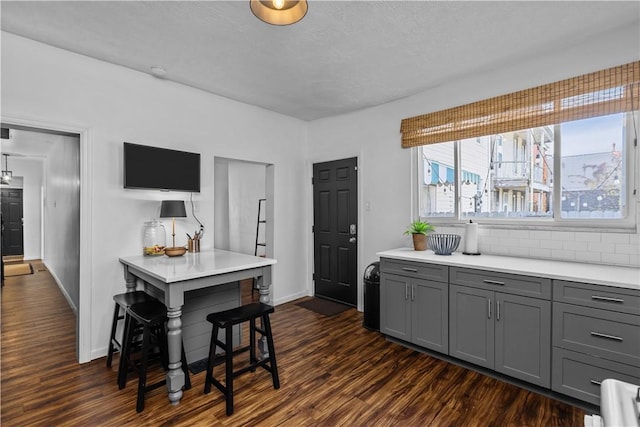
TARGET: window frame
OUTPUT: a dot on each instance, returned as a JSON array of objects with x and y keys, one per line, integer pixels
[{"x": 626, "y": 224}]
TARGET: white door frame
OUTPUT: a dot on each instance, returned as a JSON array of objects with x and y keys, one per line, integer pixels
[{"x": 83, "y": 318}]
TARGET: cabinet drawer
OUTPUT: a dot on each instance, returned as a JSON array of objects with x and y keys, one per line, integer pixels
[
  {"x": 597, "y": 296},
  {"x": 579, "y": 375},
  {"x": 607, "y": 334},
  {"x": 503, "y": 282},
  {"x": 420, "y": 270}
]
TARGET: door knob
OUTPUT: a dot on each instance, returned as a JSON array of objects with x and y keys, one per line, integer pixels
[{"x": 352, "y": 239}]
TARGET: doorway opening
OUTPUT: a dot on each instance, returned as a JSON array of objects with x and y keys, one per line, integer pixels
[
  {"x": 243, "y": 210},
  {"x": 49, "y": 160}
]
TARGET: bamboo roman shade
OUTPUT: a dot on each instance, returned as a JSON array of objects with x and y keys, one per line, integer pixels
[{"x": 610, "y": 91}]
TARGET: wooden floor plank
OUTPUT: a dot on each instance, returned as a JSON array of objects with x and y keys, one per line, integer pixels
[{"x": 333, "y": 372}]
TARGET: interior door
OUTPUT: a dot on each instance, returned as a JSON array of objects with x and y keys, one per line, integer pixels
[
  {"x": 12, "y": 235},
  {"x": 335, "y": 218}
]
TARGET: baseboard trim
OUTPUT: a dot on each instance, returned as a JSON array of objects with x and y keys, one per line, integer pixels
[{"x": 62, "y": 289}]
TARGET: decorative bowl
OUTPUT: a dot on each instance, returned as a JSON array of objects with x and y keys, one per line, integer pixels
[
  {"x": 443, "y": 244},
  {"x": 175, "y": 251}
]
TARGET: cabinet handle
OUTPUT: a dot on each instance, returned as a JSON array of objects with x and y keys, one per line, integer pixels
[
  {"x": 406, "y": 291},
  {"x": 609, "y": 337},
  {"x": 596, "y": 382},
  {"x": 413, "y": 289},
  {"x": 489, "y": 301},
  {"x": 498, "y": 310},
  {"x": 607, "y": 299},
  {"x": 412, "y": 270},
  {"x": 493, "y": 282}
]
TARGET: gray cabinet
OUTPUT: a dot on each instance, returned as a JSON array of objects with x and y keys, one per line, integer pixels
[
  {"x": 596, "y": 335},
  {"x": 471, "y": 330},
  {"x": 508, "y": 333},
  {"x": 558, "y": 334},
  {"x": 413, "y": 305},
  {"x": 395, "y": 306}
]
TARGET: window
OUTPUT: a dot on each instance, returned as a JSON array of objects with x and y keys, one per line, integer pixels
[
  {"x": 563, "y": 151},
  {"x": 511, "y": 174}
]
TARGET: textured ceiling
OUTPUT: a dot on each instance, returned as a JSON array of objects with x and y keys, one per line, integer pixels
[{"x": 343, "y": 56}]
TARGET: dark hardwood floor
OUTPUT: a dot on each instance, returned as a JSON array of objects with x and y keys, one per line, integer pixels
[{"x": 333, "y": 372}]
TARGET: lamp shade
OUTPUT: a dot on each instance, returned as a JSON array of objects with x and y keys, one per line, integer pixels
[
  {"x": 279, "y": 12},
  {"x": 172, "y": 209}
]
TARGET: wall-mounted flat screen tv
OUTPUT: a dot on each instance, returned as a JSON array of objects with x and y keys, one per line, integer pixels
[{"x": 157, "y": 168}]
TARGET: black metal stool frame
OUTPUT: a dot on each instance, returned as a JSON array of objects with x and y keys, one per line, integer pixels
[{"x": 226, "y": 320}]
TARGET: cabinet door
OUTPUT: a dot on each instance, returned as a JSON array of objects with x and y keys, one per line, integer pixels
[
  {"x": 395, "y": 306},
  {"x": 471, "y": 331},
  {"x": 430, "y": 315},
  {"x": 523, "y": 338}
]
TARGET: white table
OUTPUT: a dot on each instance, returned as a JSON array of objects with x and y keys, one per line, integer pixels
[{"x": 177, "y": 275}]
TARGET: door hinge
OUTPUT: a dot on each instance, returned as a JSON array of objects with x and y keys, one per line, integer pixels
[
  {"x": 311, "y": 180},
  {"x": 313, "y": 229}
]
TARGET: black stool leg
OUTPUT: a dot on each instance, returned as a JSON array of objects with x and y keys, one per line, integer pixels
[
  {"x": 212, "y": 355},
  {"x": 229, "y": 368},
  {"x": 185, "y": 369},
  {"x": 142, "y": 380},
  {"x": 114, "y": 324},
  {"x": 272, "y": 353},
  {"x": 252, "y": 344},
  {"x": 127, "y": 337}
]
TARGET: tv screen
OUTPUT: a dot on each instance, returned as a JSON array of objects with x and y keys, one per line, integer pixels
[{"x": 160, "y": 168}]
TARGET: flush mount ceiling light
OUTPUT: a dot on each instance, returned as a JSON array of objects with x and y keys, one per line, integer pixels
[
  {"x": 7, "y": 175},
  {"x": 279, "y": 12}
]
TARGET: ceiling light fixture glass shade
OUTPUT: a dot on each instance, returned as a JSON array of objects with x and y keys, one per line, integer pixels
[
  {"x": 279, "y": 12},
  {"x": 7, "y": 175}
]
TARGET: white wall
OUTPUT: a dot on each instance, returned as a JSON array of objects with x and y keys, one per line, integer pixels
[
  {"x": 62, "y": 216},
  {"x": 31, "y": 173},
  {"x": 387, "y": 172},
  {"x": 115, "y": 104},
  {"x": 238, "y": 187}
]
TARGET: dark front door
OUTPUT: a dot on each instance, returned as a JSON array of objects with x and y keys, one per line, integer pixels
[
  {"x": 335, "y": 219},
  {"x": 12, "y": 217}
]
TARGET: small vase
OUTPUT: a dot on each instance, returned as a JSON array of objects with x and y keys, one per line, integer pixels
[{"x": 419, "y": 242}]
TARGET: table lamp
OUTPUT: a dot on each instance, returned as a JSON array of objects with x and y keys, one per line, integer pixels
[{"x": 173, "y": 209}]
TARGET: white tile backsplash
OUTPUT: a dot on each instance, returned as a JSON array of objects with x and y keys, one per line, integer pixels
[
  {"x": 626, "y": 249},
  {"x": 588, "y": 237},
  {"x": 597, "y": 247},
  {"x": 618, "y": 259},
  {"x": 601, "y": 247},
  {"x": 615, "y": 238}
]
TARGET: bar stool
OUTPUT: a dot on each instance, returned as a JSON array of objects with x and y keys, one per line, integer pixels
[
  {"x": 151, "y": 316},
  {"x": 123, "y": 301},
  {"x": 226, "y": 320}
]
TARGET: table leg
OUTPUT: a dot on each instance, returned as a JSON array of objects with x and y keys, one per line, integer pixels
[
  {"x": 175, "y": 375},
  {"x": 264, "y": 282},
  {"x": 130, "y": 280}
]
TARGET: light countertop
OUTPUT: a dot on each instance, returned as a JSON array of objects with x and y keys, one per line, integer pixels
[
  {"x": 610, "y": 275},
  {"x": 195, "y": 265}
]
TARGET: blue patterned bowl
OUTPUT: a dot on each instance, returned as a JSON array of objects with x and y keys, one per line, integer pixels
[{"x": 443, "y": 244}]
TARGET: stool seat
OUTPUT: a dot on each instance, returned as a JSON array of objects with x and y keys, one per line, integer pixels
[
  {"x": 122, "y": 302},
  {"x": 226, "y": 320},
  {"x": 127, "y": 299},
  {"x": 238, "y": 315}
]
